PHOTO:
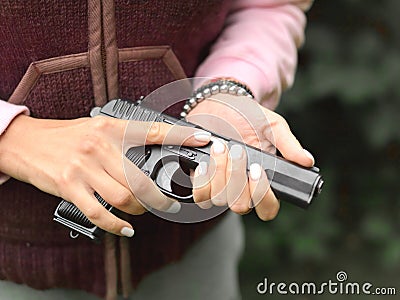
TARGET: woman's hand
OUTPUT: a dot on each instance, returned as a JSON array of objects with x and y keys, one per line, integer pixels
[
  {"x": 225, "y": 180},
  {"x": 74, "y": 158}
]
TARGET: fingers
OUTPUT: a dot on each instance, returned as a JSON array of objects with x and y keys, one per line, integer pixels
[
  {"x": 141, "y": 133},
  {"x": 163, "y": 133},
  {"x": 105, "y": 175},
  {"x": 116, "y": 194},
  {"x": 113, "y": 162},
  {"x": 123, "y": 184},
  {"x": 146, "y": 192},
  {"x": 210, "y": 179},
  {"x": 264, "y": 200},
  {"x": 284, "y": 140},
  {"x": 238, "y": 193},
  {"x": 201, "y": 186},
  {"x": 218, "y": 165},
  {"x": 225, "y": 181},
  {"x": 87, "y": 203}
]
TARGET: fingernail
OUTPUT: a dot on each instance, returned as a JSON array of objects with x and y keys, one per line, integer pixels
[
  {"x": 203, "y": 167},
  {"x": 309, "y": 155},
  {"x": 218, "y": 202},
  {"x": 174, "y": 208},
  {"x": 218, "y": 147},
  {"x": 255, "y": 171},
  {"x": 202, "y": 136},
  {"x": 127, "y": 231},
  {"x": 236, "y": 152}
]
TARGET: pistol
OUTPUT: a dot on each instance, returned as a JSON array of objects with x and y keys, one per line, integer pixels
[{"x": 167, "y": 166}]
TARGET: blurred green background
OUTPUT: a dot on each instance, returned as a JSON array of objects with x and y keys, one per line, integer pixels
[{"x": 345, "y": 108}]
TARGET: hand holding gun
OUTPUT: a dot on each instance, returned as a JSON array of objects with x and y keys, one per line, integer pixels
[{"x": 169, "y": 167}]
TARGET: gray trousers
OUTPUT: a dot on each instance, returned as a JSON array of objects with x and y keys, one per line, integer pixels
[{"x": 209, "y": 270}]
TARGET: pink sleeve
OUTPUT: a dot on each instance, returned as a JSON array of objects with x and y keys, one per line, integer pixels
[
  {"x": 8, "y": 112},
  {"x": 259, "y": 46}
]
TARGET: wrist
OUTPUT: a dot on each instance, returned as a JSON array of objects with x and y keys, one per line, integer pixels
[
  {"x": 11, "y": 143},
  {"x": 239, "y": 87},
  {"x": 216, "y": 86},
  {"x": 8, "y": 112},
  {"x": 13, "y": 132}
]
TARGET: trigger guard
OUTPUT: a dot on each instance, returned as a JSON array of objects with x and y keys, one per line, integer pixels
[{"x": 164, "y": 181}]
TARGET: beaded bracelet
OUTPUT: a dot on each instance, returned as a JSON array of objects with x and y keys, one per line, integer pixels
[{"x": 224, "y": 86}]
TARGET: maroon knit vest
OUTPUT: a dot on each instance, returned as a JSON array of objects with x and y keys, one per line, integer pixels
[{"x": 61, "y": 58}]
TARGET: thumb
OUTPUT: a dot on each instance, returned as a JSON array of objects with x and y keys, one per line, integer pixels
[{"x": 289, "y": 146}]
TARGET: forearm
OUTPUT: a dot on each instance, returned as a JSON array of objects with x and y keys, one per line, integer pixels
[{"x": 259, "y": 46}]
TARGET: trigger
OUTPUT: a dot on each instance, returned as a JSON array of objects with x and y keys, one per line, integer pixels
[
  {"x": 164, "y": 176},
  {"x": 175, "y": 182}
]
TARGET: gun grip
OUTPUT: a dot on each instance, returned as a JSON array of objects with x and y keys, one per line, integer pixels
[{"x": 69, "y": 215}]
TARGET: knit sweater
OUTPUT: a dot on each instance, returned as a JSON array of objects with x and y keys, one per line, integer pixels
[{"x": 61, "y": 58}]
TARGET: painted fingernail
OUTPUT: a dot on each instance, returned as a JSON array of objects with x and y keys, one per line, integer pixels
[
  {"x": 202, "y": 136},
  {"x": 218, "y": 202},
  {"x": 218, "y": 147},
  {"x": 236, "y": 152},
  {"x": 309, "y": 155},
  {"x": 127, "y": 231},
  {"x": 255, "y": 172},
  {"x": 202, "y": 168},
  {"x": 174, "y": 208}
]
